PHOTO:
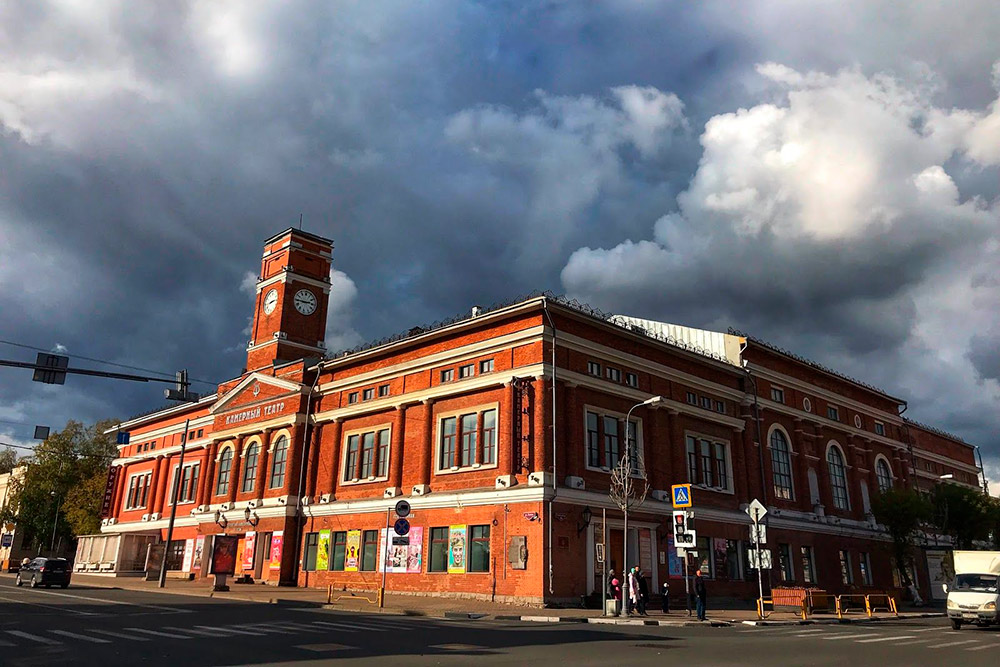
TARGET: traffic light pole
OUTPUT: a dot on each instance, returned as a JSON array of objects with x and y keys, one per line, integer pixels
[{"x": 175, "y": 488}]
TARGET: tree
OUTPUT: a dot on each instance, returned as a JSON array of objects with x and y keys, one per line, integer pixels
[
  {"x": 8, "y": 460},
  {"x": 901, "y": 511},
  {"x": 66, "y": 460},
  {"x": 963, "y": 513}
]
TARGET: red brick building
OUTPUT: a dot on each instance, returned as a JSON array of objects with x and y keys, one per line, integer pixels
[{"x": 501, "y": 429}]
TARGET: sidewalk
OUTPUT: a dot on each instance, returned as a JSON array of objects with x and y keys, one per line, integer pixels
[{"x": 413, "y": 605}]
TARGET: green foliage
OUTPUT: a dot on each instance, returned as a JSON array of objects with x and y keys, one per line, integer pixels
[
  {"x": 8, "y": 460},
  {"x": 966, "y": 514},
  {"x": 59, "y": 485},
  {"x": 902, "y": 511}
]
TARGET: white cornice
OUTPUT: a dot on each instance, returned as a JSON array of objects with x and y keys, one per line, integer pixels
[
  {"x": 166, "y": 412},
  {"x": 291, "y": 276},
  {"x": 256, "y": 376},
  {"x": 517, "y": 494}
]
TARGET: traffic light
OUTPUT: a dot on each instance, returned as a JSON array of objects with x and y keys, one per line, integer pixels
[
  {"x": 54, "y": 371},
  {"x": 180, "y": 391}
]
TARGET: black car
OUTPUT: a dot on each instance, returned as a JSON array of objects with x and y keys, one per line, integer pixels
[{"x": 44, "y": 572}]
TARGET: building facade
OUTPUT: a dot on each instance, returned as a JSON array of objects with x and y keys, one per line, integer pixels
[{"x": 501, "y": 429}]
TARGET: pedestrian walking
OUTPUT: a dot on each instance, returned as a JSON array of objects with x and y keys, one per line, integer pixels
[
  {"x": 666, "y": 597},
  {"x": 616, "y": 593},
  {"x": 643, "y": 592},
  {"x": 632, "y": 592},
  {"x": 700, "y": 594}
]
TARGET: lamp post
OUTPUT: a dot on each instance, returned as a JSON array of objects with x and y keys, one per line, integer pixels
[
  {"x": 175, "y": 489},
  {"x": 55, "y": 522},
  {"x": 622, "y": 491}
]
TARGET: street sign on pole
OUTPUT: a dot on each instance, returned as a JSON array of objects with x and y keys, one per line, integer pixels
[
  {"x": 758, "y": 534},
  {"x": 756, "y": 510},
  {"x": 402, "y": 509},
  {"x": 688, "y": 540},
  {"x": 681, "y": 495},
  {"x": 761, "y": 556},
  {"x": 401, "y": 527}
]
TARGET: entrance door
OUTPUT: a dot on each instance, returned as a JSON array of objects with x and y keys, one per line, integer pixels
[{"x": 263, "y": 551}]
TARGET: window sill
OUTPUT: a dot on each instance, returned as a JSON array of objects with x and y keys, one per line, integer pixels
[
  {"x": 475, "y": 467},
  {"x": 366, "y": 480},
  {"x": 714, "y": 489}
]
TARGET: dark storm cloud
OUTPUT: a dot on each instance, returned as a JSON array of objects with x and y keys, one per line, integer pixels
[{"x": 148, "y": 150}]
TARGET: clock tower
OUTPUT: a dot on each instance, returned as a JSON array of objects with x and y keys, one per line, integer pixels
[{"x": 293, "y": 290}]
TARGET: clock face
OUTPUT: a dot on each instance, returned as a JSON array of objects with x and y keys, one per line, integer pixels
[
  {"x": 305, "y": 302},
  {"x": 270, "y": 301}
]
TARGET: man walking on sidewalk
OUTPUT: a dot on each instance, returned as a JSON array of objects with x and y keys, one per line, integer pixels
[
  {"x": 700, "y": 594},
  {"x": 643, "y": 592}
]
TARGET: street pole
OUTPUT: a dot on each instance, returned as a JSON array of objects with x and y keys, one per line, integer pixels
[
  {"x": 173, "y": 505},
  {"x": 760, "y": 580},
  {"x": 605, "y": 579},
  {"x": 385, "y": 561},
  {"x": 687, "y": 584},
  {"x": 55, "y": 521}
]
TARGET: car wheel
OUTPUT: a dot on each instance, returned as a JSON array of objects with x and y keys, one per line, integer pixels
[
  {"x": 63, "y": 585},
  {"x": 17, "y": 580},
  {"x": 956, "y": 625},
  {"x": 34, "y": 583}
]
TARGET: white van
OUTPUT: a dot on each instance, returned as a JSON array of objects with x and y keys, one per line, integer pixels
[{"x": 973, "y": 595}]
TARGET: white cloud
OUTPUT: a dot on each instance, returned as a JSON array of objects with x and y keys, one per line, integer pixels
[{"x": 340, "y": 332}]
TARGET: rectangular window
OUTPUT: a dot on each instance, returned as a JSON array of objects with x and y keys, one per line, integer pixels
[
  {"x": 352, "y": 397},
  {"x": 383, "y": 390},
  {"x": 720, "y": 407},
  {"x": 706, "y": 402},
  {"x": 708, "y": 463},
  {"x": 309, "y": 552},
  {"x": 367, "y": 454},
  {"x": 466, "y": 371},
  {"x": 777, "y": 395},
  {"x": 188, "y": 483},
  {"x": 470, "y": 431},
  {"x": 631, "y": 379},
  {"x": 438, "y": 550},
  {"x": 152, "y": 445},
  {"x": 704, "y": 561},
  {"x": 448, "y": 435},
  {"x": 479, "y": 549},
  {"x": 593, "y": 441},
  {"x": 486, "y": 366},
  {"x": 468, "y": 440},
  {"x": 369, "y": 547},
  {"x": 692, "y": 460},
  {"x": 339, "y": 550},
  {"x": 382, "y": 464},
  {"x": 866, "y": 569},
  {"x": 879, "y": 428},
  {"x": 368, "y": 394},
  {"x": 489, "y": 437},
  {"x": 808, "y": 571},
  {"x": 138, "y": 491},
  {"x": 200, "y": 432},
  {"x": 707, "y": 468},
  {"x": 610, "y": 442},
  {"x": 846, "y": 575},
  {"x": 785, "y": 563},
  {"x": 614, "y": 374},
  {"x": 832, "y": 412},
  {"x": 733, "y": 569},
  {"x": 692, "y": 398},
  {"x": 448, "y": 375},
  {"x": 721, "y": 467},
  {"x": 594, "y": 368},
  {"x": 351, "y": 463}
]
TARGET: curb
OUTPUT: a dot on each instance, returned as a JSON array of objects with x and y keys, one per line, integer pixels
[{"x": 843, "y": 621}]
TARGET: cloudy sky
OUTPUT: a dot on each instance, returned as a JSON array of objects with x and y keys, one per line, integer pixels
[{"x": 823, "y": 175}]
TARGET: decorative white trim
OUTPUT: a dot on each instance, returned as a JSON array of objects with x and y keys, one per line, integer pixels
[
  {"x": 791, "y": 455},
  {"x": 457, "y": 414},
  {"x": 229, "y": 396}
]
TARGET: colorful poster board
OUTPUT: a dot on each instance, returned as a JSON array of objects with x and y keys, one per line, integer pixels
[
  {"x": 323, "y": 551},
  {"x": 188, "y": 555},
  {"x": 224, "y": 554},
  {"x": 199, "y": 553},
  {"x": 277, "y": 541},
  {"x": 721, "y": 570},
  {"x": 456, "y": 549},
  {"x": 645, "y": 551},
  {"x": 248, "y": 548},
  {"x": 675, "y": 564},
  {"x": 405, "y": 553},
  {"x": 353, "y": 556}
]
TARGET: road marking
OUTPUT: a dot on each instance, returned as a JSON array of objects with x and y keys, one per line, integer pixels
[
  {"x": 959, "y": 643},
  {"x": 121, "y": 635},
  {"x": 809, "y": 632},
  {"x": 893, "y": 638},
  {"x": 199, "y": 633},
  {"x": 118, "y": 602},
  {"x": 344, "y": 627},
  {"x": 323, "y": 647},
  {"x": 927, "y": 629},
  {"x": 270, "y": 629},
  {"x": 458, "y": 647},
  {"x": 34, "y": 638},
  {"x": 156, "y": 633},
  {"x": 978, "y": 648},
  {"x": 4, "y": 642},
  {"x": 230, "y": 630},
  {"x": 73, "y": 635},
  {"x": 48, "y": 606},
  {"x": 298, "y": 627},
  {"x": 849, "y": 635}
]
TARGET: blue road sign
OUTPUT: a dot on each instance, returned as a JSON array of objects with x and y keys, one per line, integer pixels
[
  {"x": 401, "y": 527},
  {"x": 681, "y": 495}
]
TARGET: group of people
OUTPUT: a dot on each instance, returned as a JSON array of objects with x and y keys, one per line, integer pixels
[{"x": 637, "y": 593}]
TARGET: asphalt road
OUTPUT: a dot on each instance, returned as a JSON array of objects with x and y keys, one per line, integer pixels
[{"x": 94, "y": 626}]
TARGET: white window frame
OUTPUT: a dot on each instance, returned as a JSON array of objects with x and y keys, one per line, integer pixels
[
  {"x": 879, "y": 428},
  {"x": 486, "y": 366},
  {"x": 383, "y": 390},
  {"x": 829, "y": 474},
  {"x": 729, "y": 460},
  {"x": 833, "y": 413},
  {"x": 613, "y": 374},
  {"x": 791, "y": 457},
  {"x": 447, "y": 375},
  {"x": 594, "y": 368},
  {"x": 368, "y": 394},
  {"x": 620, "y": 416},
  {"x": 128, "y": 489},
  {"x": 360, "y": 431},
  {"x": 892, "y": 478},
  {"x": 778, "y": 395},
  {"x": 466, "y": 371},
  {"x": 632, "y": 380},
  {"x": 173, "y": 477},
  {"x": 457, "y": 414}
]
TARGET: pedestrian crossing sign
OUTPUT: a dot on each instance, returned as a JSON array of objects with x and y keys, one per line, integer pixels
[{"x": 681, "y": 495}]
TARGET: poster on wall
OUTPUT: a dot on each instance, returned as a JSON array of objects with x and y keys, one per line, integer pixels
[
  {"x": 199, "y": 553},
  {"x": 404, "y": 553},
  {"x": 456, "y": 549},
  {"x": 353, "y": 551},
  {"x": 224, "y": 555},
  {"x": 675, "y": 565},
  {"x": 277, "y": 539},
  {"x": 248, "y": 549},
  {"x": 323, "y": 551},
  {"x": 645, "y": 551},
  {"x": 188, "y": 555},
  {"x": 941, "y": 571},
  {"x": 721, "y": 571}
]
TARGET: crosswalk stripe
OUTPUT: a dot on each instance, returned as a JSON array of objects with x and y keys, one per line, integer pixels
[
  {"x": 850, "y": 635},
  {"x": 230, "y": 630},
  {"x": 338, "y": 626},
  {"x": 978, "y": 648},
  {"x": 892, "y": 638},
  {"x": 958, "y": 643},
  {"x": 157, "y": 633},
  {"x": 199, "y": 633},
  {"x": 121, "y": 635},
  {"x": 299, "y": 627},
  {"x": 271, "y": 629},
  {"x": 927, "y": 629},
  {"x": 34, "y": 638},
  {"x": 73, "y": 635},
  {"x": 4, "y": 642}
]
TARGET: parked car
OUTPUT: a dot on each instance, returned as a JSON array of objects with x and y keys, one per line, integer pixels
[{"x": 44, "y": 572}]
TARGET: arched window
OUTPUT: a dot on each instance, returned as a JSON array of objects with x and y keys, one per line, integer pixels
[
  {"x": 883, "y": 474},
  {"x": 278, "y": 461},
  {"x": 838, "y": 477},
  {"x": 250, "y": 467},
  {"x": 225, "y": 466},
  {"x": 781, "y": 463}
]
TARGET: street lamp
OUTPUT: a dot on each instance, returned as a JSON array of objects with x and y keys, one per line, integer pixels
[
  {"x": 220, "y": 519},
  {"x": 253, "y": 520},
  {"x": 626, "y": 468}
]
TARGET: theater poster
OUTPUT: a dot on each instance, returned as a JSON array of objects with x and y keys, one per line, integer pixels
[
  {"x": 188, "y": 555},
  {"x": 676, "y": 565},
  {"x": 456, "y": 549},
  {"x": 199, "y": 553},
  {"x": 353, "y": 551},
  {"x": 323, "y": 551},
  {"x": 224, "y": 554},
  {"x": 277, "y": 540},
  {"x": 404, "y": 552},
  {"x": 248, "y": 548}
]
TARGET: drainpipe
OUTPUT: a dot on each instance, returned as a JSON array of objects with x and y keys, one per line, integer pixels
[
  {"x": 299, "y": 513},
  {"x": 545, "y": 309}
]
